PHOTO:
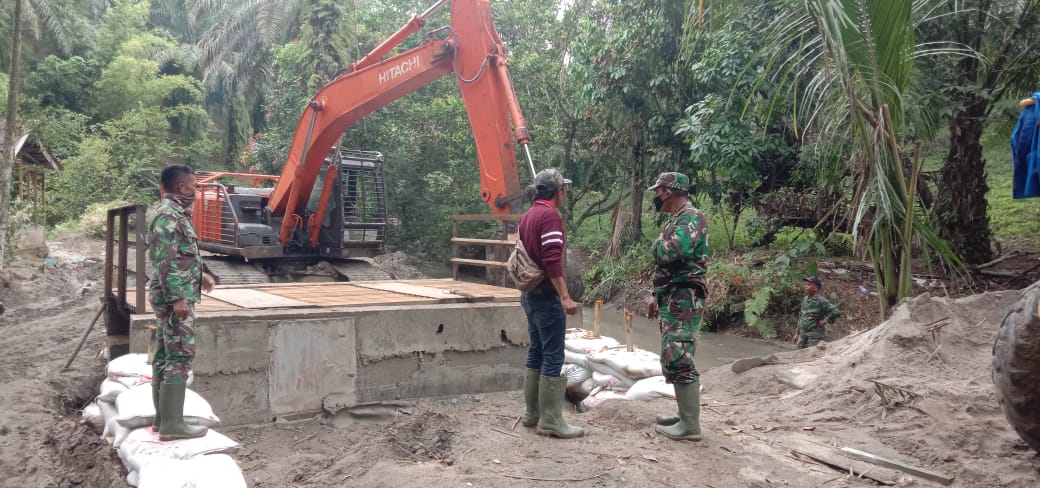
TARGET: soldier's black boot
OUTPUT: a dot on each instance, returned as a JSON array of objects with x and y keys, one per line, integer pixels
[
  {"x": 551, "y": 391},
  {"x": 531, "y": 413},
  {"x": 688, "y": 396},
  {"x": 171, "y": 406}
]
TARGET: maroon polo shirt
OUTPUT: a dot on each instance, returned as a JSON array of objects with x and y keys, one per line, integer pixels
[{"x": 541, "y": 229}]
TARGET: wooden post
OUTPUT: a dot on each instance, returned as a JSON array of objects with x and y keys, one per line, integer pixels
[
  {"x": 454, "y": 250},
  {"x": 123, "y": 246},
  {"x": 599, "y": 319},
  {"x": 628, "y": 330},
  {"x": 140, "y": 250},
  {"x": 109, "y": 262}
]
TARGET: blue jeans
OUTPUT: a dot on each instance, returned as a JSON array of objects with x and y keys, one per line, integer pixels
[{"x": 547, "y": 325}]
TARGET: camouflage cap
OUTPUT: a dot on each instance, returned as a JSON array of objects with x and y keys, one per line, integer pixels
[
  {"x": 550, "y": 179},
  {"x": 676, "y": 181}
]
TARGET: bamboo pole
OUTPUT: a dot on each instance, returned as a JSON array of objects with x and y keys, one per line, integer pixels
[
  {"x": 628, "y": 330},
  {"x": 599, "y": 319},
  {"x": 83, "y": 338}
]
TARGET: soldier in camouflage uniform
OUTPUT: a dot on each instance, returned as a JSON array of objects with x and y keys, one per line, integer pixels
[
  {"x": 175, "y": 287},
  {"x": 816, "y": 313},
  {"x": 680, "y": 256}
]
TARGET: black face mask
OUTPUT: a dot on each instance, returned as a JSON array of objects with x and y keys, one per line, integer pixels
[{"x": 658, "y": 203}]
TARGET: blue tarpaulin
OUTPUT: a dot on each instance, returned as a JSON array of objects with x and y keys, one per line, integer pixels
[{"x": 1025, "y": 151}]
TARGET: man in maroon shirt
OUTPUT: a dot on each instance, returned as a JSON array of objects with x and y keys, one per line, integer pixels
[{"x": 541, "y": 231}]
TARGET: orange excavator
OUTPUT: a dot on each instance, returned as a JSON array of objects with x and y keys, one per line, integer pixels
[{"x": 329, "y": 204}]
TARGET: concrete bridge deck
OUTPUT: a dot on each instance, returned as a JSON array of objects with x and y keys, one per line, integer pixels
[{"x": 293, "y": 350}]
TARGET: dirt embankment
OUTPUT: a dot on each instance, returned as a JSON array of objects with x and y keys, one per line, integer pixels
[{"x": 48, "y": 307}]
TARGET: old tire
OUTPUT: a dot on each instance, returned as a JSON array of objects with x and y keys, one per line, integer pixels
[{"x": 1016, "y": 366}]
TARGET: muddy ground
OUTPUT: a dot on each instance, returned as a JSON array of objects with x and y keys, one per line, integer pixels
[{"x": 760, "y": 426}]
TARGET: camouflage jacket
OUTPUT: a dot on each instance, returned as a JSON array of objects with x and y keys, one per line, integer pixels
[
  {"x": 815, "y": 309},
  {"x": 680, "y": 253},
  {"x": 173, "y": 249}
]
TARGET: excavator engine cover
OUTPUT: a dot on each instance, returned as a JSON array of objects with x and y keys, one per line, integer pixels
[{"x": 1016, "y": 366}]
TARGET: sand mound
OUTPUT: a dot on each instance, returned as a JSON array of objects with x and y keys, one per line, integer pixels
[
  {"x": 930, "y": 346},
  {"x": 935, "y": 352}
]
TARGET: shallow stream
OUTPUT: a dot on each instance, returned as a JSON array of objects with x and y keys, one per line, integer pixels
[{"x": 713, "y": 349}]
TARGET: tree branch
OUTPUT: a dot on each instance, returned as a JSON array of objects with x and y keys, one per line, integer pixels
[{"x": 599, "y": 208}]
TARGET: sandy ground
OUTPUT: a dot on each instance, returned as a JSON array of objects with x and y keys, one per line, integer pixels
[{"x": 756, "y": 423}]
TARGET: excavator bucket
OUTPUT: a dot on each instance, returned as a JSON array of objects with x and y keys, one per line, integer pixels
[{"x": 1016, "y": 366}]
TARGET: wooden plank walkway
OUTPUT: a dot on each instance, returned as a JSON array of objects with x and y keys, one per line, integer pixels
[{"x": 338, "y": 294}]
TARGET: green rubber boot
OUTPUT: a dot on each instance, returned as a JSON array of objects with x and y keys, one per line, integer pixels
[
  {"x": 531, "y": 397},
  {"x": 156, "y": 383},
  {"x": 663, "y": 419},
  {"x": 688, "y": 428},
  {"x": 551, "y": 391},
  {"x": 171, "y": 407}
]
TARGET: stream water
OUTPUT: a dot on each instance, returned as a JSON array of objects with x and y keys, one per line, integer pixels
[{"x": 713, "y": 349}]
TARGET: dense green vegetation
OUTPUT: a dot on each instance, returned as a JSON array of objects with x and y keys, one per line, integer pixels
[{"x": 824, "y": 105}]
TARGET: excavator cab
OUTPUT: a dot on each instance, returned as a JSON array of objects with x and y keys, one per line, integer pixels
[{"x": 354, "y": 222}]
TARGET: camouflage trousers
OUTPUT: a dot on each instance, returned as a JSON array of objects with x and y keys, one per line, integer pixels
[
  {"x": 175, "y": 342},
  {"x": 810, "y": 336},
  {"x": 681, "y": 311}
]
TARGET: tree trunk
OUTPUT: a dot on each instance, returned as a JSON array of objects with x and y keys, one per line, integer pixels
[
  {"x": 9, "y": 130},
  {"x": 567, "y": 168},
  {"x": 638, "y": 182},
  {"x": 617, "y": 230},
  {"x": 961, "y": 206}
]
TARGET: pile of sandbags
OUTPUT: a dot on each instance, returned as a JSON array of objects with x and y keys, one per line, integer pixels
[
  {"x": 601, "y": 369},
  {"x": 123, "y": 414}
]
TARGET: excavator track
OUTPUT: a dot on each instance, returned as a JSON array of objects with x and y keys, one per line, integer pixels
[
  {"x": 1016, "y": 366},
  {"x": 234, "y": 271}
]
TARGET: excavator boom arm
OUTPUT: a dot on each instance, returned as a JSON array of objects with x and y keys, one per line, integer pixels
[{"x": 472, "y": 51}]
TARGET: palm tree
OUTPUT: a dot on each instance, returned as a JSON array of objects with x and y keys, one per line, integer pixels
[
  {"x": 237, "y": 49},
  {"x": 857, "y": 57}
]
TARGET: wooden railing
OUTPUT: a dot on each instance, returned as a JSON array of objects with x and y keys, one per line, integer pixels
[
  {"x": 457, "y": 241},
  {"x": 117, "y": 268}
]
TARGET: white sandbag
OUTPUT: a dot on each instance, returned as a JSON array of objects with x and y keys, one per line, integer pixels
[
  {"x": 650, "y": 388},
  {"x": 636, "y": 365},
  {"x": 108, "y": 410},
  {"x": 110, "y": 389},
  {"x": 571, "y": 357},
  {"x": 585, "y": 388},
  {"x": 583, "y": 341},
  {"x": 597, "y": 399},
  {"x": 114, "y": 433},
  {"x": 611, "y": 382},
  {"x": 142, "y": 447},
  {"x": 130, "y": 381},
  {"x": 92, "y": 417},
  {"x": 130, "y": 365},
  {"x": 132, "y": 478},
  {"x": 212, "y": 471},
  {"x": 575, "y": 374},
  {"x": 137, "y": 410}
]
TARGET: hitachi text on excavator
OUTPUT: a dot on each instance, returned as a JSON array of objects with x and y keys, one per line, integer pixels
[{"x": 328, "y": 204}]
